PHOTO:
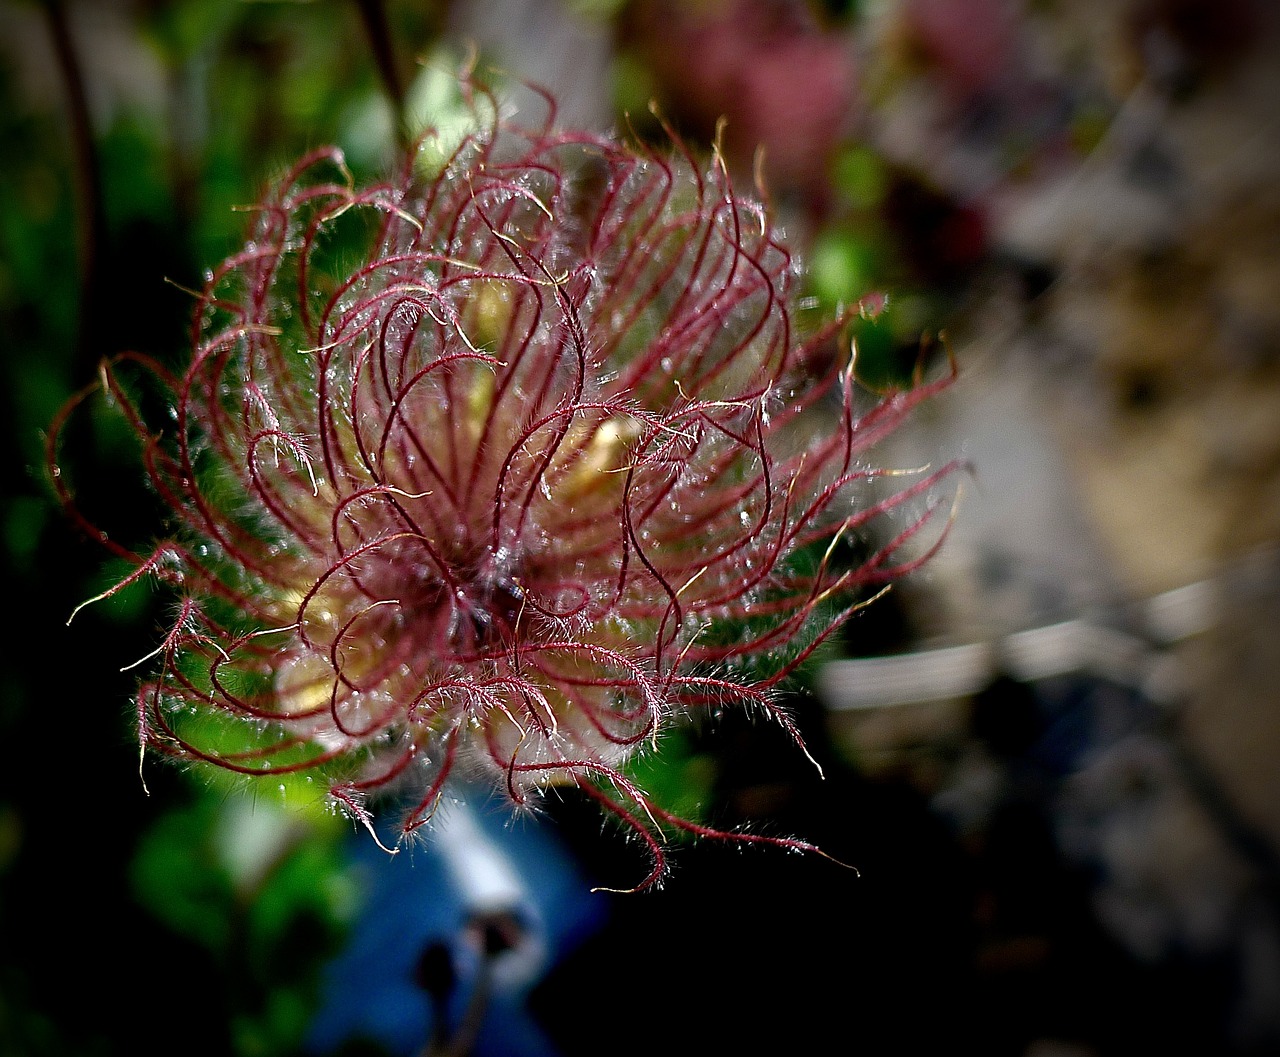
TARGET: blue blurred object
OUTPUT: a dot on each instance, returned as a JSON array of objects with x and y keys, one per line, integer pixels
[{"x": 452, "y": 936}]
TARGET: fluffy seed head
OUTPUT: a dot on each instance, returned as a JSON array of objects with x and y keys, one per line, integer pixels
[{"x": 495, "y": 468}]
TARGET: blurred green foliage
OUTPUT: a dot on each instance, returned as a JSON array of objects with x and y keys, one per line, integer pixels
[{"x": 265, "y": 890}]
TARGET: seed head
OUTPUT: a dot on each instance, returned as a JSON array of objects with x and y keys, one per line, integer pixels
[{"x": 495, "y": 469}]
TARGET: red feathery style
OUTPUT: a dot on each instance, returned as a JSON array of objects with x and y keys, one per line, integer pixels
[{"x": 497, "y": 467}]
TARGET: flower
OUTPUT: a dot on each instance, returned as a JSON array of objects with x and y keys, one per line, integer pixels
[{"x": 496, "y": 468}]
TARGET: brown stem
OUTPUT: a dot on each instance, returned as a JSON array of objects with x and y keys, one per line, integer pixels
[
  {"x": 373, "y": 14},
  {"x": 90, "y": 219}
]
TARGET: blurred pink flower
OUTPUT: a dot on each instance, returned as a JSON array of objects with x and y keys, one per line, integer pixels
[
  {"x": 971, "y": 44},
  {"x": 779, "y": 80}
]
